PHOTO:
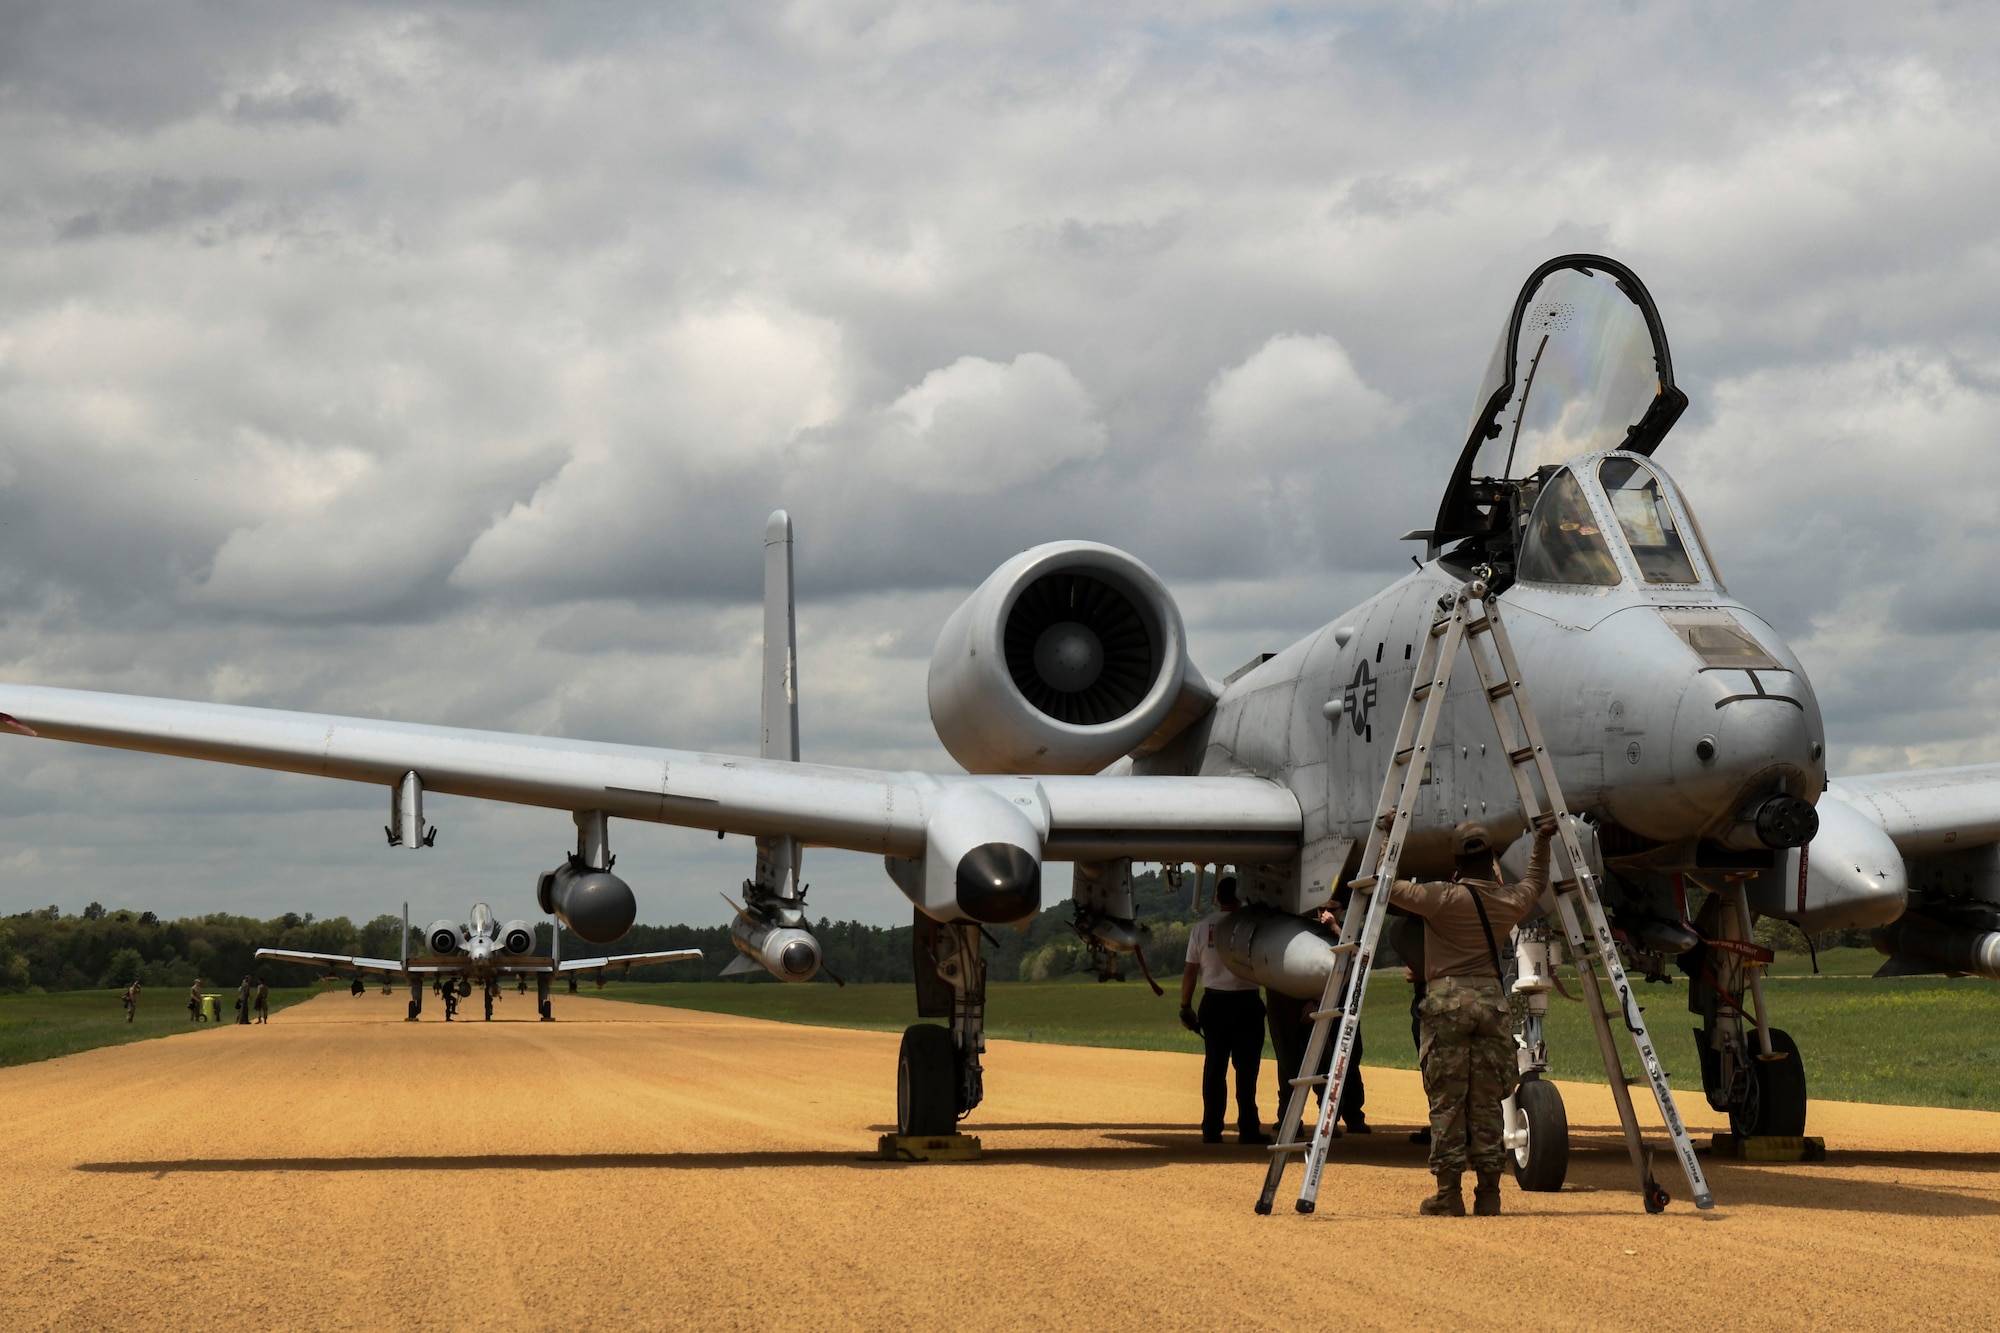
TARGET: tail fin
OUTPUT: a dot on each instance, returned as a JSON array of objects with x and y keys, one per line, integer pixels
[{"x": 781, "y": 694}]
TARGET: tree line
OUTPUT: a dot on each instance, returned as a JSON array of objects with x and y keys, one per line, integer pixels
[{"x": 49, "y": 950}]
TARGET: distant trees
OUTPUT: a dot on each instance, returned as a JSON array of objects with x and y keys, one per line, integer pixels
[{"x": 44, "y": 949}]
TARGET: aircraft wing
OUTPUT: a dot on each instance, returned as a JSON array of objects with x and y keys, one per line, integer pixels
[
  {"x": 1929, "y": 811},
  {"x": 1147, "y": 818},
  {"x": 627, "y": 960},
  {"x": 384, "y": 965}
]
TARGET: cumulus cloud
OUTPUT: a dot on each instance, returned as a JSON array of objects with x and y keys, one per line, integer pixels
[{"x": 445, "y": 363}]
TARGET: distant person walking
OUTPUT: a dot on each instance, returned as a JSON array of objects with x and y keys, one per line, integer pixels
[
  {"x": 194, "y": 1001},
  {"x": 243, "y": 1003},
  {"x": 1231, "y": 1025},
  {"x": 263, "y": 1001},
  {"x": 131, "y": 1001}
]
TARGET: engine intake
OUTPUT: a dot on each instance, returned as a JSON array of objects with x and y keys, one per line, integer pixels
[
  {"x": 517, "y": 938},
  {"x": 443, "y": 937},
  {"x": 1069, "y": 656}
]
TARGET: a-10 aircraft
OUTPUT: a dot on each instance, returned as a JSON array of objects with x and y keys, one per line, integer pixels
[
  {"x": 480, "y": 953},
  {"x": 1683, "y": 728}
]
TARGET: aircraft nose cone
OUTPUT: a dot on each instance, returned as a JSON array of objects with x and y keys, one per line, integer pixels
[{"x": 1735, "y": 740}]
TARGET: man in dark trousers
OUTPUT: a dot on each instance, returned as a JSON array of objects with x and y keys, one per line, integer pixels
[
  {"x": 1291, "y": 1031},
  {"x": 194, "y": 1001},
  {"x": 263, "y": 1001},
  {"x": 1231, "y": 1024},
  {"x": 243, "y": 1002},
  {"x": 1468, "y": 1041},
  {"x": 1406, "y": 936}
]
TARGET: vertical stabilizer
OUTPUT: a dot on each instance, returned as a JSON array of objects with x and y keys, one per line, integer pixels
[{"x": 781, "y": 695}]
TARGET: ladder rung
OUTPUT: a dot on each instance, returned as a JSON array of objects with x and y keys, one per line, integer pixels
[
  {"x": 1524, "y": 755},
  {"x": 1315, "y": 1080},
  {"x": 1403, "y": 756},
  {"x": 1345, "y": 948},
  {"x": 1501, "y": 691},
  {"x": 1365, "y": 884},
  {"x": 1479, "y": 626},
  {"x": 1318, "y": 1014},
  {"x": 1291, "y": 1147},
  {"x": 1423, "y": 690},
  {"x": 1440, "y": 626}
]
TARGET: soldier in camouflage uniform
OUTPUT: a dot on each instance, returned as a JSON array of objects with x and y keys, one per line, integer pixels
[{"x": 1468, "y": 1045}]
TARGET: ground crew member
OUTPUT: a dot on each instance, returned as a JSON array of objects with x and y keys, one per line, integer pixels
[
  {"x": 1231, "y": 1024},
  {"x": 243, "y": 1002},
  {"x": 263, "y": 1001},
  {"x": 450, "y": 999},
  {"x": 1291, "y": 1032},
  {"x": 194, "y": 1001},
  {"x": 132, "y": 1001},
  {"x": 1468, "y": 1043}
]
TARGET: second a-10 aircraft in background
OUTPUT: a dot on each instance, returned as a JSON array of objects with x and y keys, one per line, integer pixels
[
  {"x": 1682, "y": 726},
  {"x": 476, "y": 954}
]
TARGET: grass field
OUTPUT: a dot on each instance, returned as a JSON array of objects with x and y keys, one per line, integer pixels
[
  {"x": 41, "y": 1027},
  {"x": 1913, "y": 1041}
]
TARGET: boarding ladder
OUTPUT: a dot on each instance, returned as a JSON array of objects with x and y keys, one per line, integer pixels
[{"x": 1472, "y": 617}]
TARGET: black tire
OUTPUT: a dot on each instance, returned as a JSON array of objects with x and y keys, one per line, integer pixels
[
  {"x": 547, "y": 1016},
  {"x": 1541, "y": 1163},
  {"x": 927, "y": 1081},
  {"x": 1776, "y": 1105}
]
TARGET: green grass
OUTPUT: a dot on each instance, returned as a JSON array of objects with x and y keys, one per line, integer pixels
[
  {"x": 41, "y": 1027},
  {"x": 1913, "y": 1041}
]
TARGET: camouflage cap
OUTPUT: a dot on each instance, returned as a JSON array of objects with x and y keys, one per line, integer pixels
[{"x": 1470, "y": 839}]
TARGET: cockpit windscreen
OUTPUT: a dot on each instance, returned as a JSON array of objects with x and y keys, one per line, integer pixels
[
  {"x": 1647, "y": 521},
  {"x": 482, "y": 919},
  {"x": 1584, "y": 375},
  {"x": 1563, "y": 543}
]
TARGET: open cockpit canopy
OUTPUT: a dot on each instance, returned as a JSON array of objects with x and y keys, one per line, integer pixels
[{"x": 1581, "y": 367}]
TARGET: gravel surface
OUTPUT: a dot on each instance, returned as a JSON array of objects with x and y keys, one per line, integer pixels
[{"x": 637, "y": 1167}]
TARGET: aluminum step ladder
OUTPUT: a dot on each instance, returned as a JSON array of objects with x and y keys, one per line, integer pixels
[{"x": 1470, "y": 617}]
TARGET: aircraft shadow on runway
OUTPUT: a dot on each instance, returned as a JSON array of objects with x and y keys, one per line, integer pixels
[{"x": 1598, "y": 1167}]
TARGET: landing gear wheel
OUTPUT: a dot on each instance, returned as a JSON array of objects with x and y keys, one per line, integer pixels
[
  {"x": 1541, "y": 1163},
  {"x": 927, "y": 1081},
  {"x": 413, "y": 1012},
  {"x": 1657, "y": 1199},
  {"x": 356, "y": 988},
  {"x": 1774, "y": 1102},
  {"x": 547, "y": 1017}
]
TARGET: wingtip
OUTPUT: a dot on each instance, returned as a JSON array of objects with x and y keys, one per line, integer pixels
[{"x": 778, "y": 527}]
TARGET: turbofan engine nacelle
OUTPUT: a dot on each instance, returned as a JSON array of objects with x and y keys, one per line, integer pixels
[
  {"x": 1069, "y": 656},
  {"x": 517, "y": 937},
  {"x": 596, "y": 904},
  {"x": 789, "y": 953},
  {"x": 443, "y": 937}
]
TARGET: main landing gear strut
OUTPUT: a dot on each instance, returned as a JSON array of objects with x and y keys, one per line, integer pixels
[
  {"x": 1748, "y": 1068},
  {"x": 938, "y": 1074}
]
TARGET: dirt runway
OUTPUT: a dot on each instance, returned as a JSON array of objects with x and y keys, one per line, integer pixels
[{"x": 639, "y": 1167}]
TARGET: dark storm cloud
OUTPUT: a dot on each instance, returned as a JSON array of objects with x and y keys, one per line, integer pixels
[{"x": 443, "y": 362}]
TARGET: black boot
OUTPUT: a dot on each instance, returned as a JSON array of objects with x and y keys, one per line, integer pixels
[
  {"x": 1486, "y": 1195},
  {"x": 1449, "y": 1201}
]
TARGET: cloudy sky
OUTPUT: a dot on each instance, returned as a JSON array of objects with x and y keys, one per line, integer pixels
[{"x": 442, "y": 364}]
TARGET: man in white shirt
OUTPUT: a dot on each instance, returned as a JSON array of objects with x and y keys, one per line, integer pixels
[{"x": 1231, "y": 1024}]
